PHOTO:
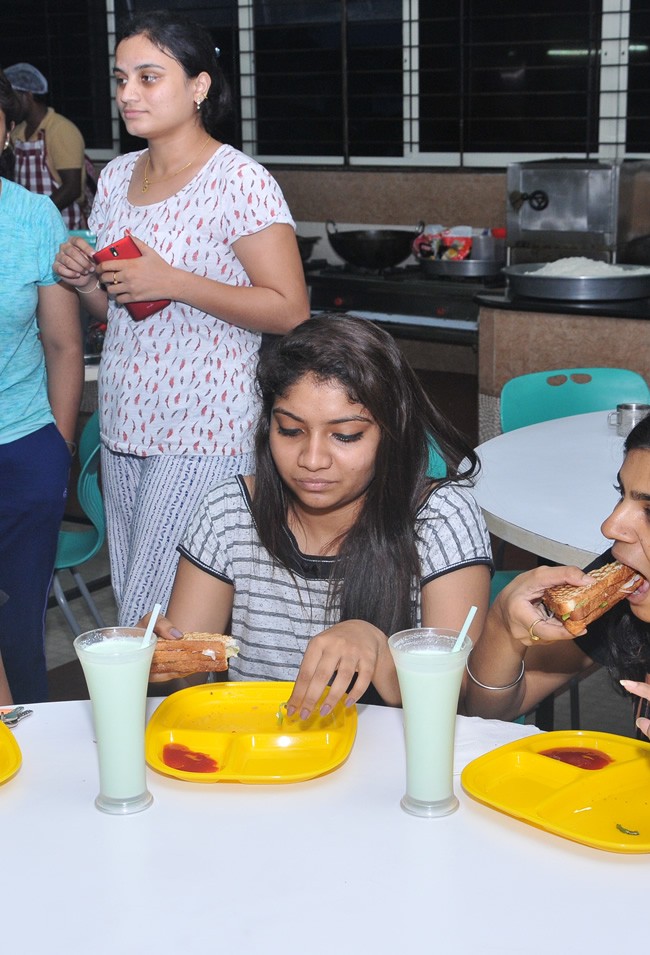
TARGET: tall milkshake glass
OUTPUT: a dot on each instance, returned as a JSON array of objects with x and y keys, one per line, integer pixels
[
  {"x": 429, "y": 671},
  {"x": 116, "y": 667}
]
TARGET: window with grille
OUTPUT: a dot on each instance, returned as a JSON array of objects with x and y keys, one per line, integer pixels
[
  {"x": 380, "y": 82},
  {"x": 67, "y": 41}
]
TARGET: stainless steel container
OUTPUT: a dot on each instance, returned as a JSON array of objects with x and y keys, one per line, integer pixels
[
  {"x": 562, "y": 208},
  {"x": 633, "y": 282}
]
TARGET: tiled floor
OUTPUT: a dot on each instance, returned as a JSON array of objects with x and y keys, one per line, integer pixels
[{"x": 601, "y": 707}]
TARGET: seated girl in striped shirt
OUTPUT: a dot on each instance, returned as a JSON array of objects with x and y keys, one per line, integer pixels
[{"x": 340, "y": 538}]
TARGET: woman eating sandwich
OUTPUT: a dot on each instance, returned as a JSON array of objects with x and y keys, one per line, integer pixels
[
  {"x": 524, "y": 654},
  {"x": 340, "y": 538}
]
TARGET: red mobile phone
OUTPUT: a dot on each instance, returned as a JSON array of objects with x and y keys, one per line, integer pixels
[{"x": 126, "y": 248}]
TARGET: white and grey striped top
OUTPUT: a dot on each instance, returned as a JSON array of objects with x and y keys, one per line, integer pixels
[{"x": 276, "y": 612}]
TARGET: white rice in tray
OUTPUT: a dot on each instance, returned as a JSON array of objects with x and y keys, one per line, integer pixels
[{"x": 583, "y": 268}]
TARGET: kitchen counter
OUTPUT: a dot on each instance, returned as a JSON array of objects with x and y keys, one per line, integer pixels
[
  {"x": 517, "y": 337},
  {"x": 627, "y": 308}
]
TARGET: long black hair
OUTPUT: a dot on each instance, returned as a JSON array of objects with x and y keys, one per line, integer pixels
[
  {"x": 629, "y": 643},
  {"x": 379, "y": 551},
  {"x": 10, "y": 106},
  {"x": 191, "y": 45}
]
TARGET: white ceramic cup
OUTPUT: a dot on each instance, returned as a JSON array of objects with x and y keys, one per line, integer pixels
[
  {"x": 627, "y": 416},
  {"x": 430, "y": 674},
  {"x": 116, "y": 667}
]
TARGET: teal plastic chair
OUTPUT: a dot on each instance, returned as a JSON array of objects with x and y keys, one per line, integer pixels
[
  {"x": 437, "y": 467},
  {"x": 544, "y": 395},
  {"x": 76, "y": 546}
]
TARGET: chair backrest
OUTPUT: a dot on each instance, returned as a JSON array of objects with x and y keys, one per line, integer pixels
[
  {"x": 89, "y": 495},
  {"x": 77, "y": 546},
  {"x": 89, "y": 439},
  {"x": 437, "y": 466},
  {"x": 543, "y": 395}
]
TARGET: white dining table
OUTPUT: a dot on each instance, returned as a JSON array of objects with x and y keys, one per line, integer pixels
[
  {"x": 547, "y": 488},
  {"x": 329, "y": 865}
]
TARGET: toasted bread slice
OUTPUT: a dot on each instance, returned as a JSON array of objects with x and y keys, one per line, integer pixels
[
  {"x": 194, "y": 653},
  {"x": 577, "y": 607}
]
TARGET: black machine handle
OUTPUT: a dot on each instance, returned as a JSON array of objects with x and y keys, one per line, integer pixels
[{"x": 537, "y": 200}]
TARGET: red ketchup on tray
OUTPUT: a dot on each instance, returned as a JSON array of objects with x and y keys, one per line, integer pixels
[
  {"x": 182, "y": 757},
  {"x": 578, "y": 756}
]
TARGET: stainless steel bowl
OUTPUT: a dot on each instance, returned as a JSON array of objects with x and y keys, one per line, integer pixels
[{"x": 523, "y": 281}]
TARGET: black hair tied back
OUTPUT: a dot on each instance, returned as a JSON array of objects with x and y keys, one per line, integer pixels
[{"x": 192, "y": 46}]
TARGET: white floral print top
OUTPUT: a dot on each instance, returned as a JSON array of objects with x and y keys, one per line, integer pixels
[{"x": 182, "y": 381}]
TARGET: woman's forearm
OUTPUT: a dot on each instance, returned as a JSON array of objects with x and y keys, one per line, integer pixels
[
  {"x": 276, "y": 299},
  {"x": 93, "y": 298},
  {"x": 260, "y": 309},
  {"x": 496, "y": 678},
  {"x": 60, "y": 327},
  {"x": 64, "y": 388},
  {"x": 549, "y": 653}
]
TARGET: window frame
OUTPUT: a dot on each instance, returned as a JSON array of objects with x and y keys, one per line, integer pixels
[{"x": 612, "y": 120}]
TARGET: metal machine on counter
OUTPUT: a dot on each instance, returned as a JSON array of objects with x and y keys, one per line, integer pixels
[{"x": 562, "y": 208}]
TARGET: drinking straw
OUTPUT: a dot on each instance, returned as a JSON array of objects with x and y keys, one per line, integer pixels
[
  {"x": 152, "y": 624},
  {"x": 464, "y": 629}
]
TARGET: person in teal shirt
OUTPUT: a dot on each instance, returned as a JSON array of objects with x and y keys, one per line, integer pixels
[{"x": 41, "y": 379}]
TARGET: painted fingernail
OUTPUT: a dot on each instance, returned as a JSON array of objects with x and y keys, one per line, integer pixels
[
  {"x": 304, "y": 714},
  {"x": 176, "y": 634},
  {"x": 325, "y": 709}
]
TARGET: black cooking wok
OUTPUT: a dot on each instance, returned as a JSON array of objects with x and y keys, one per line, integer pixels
[
  {"x": 306, "y": 245},
  {"x": 373, "y": 249}
]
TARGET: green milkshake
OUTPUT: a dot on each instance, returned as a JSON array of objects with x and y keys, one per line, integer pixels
[
  {"x": 430, "y": 674},
  {"x": 116, "y": 667}
]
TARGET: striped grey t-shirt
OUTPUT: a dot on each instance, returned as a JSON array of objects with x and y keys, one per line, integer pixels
[{"x": 276, "y": 612}]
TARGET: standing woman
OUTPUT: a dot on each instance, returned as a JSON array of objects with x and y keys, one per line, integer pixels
[
  {"x": 41, "y": 379},
  {"x": 176, "y": 391}
]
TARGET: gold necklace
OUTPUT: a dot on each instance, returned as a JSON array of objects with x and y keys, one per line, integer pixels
[{"x": 146, "y": 182}]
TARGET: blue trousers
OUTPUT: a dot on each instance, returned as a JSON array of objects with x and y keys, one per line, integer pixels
[{"x": 33, "y": 486}]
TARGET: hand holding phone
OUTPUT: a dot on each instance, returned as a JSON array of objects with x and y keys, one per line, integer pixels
[{"x": 126, "y": 248}]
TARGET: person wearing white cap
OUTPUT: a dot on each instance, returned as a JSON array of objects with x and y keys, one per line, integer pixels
[{"x": 49, "y": 148}]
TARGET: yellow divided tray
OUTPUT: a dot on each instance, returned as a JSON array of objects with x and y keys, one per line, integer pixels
[
  {"x": 10, "y": 756},
  {"x": 607, "y": 808},
  {"x": 239, "y": 732}
]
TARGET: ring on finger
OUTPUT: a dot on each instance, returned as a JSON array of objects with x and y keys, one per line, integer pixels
[{"x": 531, "y": 630}]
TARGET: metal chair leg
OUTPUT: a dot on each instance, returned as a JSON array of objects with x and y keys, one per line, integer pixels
[
  {"x": 64, "y": 605},
  {"x": 85, "y": 593}
]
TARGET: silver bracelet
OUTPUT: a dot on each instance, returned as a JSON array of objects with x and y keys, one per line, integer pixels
[
  {"x": 484, "y": 686},
  {"x": 90, "y": 290}
]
